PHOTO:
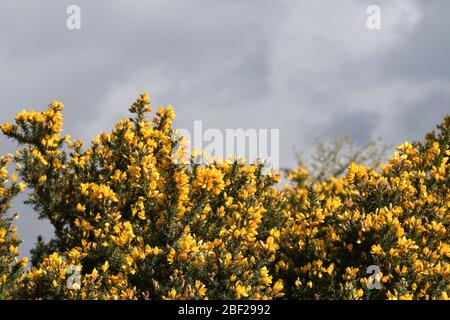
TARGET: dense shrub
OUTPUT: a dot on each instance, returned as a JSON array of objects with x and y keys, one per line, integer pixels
[
  {"x": 138, "y": 224},
  {"x": 396, "y": 218},
  {"x": 10, "y": 267}
]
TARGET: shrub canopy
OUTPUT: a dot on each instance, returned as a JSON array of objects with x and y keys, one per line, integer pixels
[{"x": 132, "y": 223}]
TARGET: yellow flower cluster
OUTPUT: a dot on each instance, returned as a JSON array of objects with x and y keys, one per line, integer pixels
[
  {"x": 210, "y": 180},
  {"x": 136, "y": 224},
  {"x": 10, "y": 266},
  {"x": 396, "y": 218},
  {"x": 61, "y": 275}
]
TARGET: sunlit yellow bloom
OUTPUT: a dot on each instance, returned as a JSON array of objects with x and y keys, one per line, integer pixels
[
  {"x": 105, "y": 266},
  {"x": 241, "y": 291}
]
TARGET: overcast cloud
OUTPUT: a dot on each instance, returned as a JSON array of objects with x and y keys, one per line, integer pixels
[{"x": 309, "y": 68}]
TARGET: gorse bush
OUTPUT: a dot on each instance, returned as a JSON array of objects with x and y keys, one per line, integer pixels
[
  {"x": 136, "y": 223},
  {"x": 397, "y": 219},
  {"x": 10, "y": 267},
  {"x": 132, "y": 223}
]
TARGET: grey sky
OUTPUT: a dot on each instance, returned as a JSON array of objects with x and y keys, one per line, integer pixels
[{"x": 310, "y": 68}]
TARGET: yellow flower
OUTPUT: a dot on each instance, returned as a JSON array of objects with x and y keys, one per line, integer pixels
[
  {"x": 42, "y": 179},
  {"x": 141, "y": 214},
  {"x": 56, "y": 105},
  {"x": 145, "y": 98},
  {"x": 265, "y": 277},
  {"x": 3, "y": 172},
  {"x": 94, "y": 273},
  {"x": 201, "y": 289},
  {"x": 209, "y": 179},
  {"x": 84, "y": 187},
  {"x": 172, "y": 294},
  {"x": 22, "y": 186},
  {"x": 406, "y": 296},
  {"x": 171, "y": 255},
  {"x": 376, "y": 249},
  {"x": 350, "y": 273},
  {"x": 278, "y": 288},
  {"x": 24, "y": 262},
  {"x": 359, "y": 293},
  {"x": 13, "y": 250},
  {"x": 271, "y": 245},
  {"x": 241, "y": 291},
  {"x": 81, "y": 208},
  {"x": 6, "y": 128},
  {"x": 105, "y": 266}
]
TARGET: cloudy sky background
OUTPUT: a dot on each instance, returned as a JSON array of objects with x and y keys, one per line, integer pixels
[{"x": 309, "y": 68}]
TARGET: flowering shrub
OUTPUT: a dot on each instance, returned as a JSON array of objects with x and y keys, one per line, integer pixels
[
  {"x": 132, "y": 223},
  {"x": 396, "y": 219},
  {"x": 136, "y": 223},
  {"x": 10, "y": 267}
]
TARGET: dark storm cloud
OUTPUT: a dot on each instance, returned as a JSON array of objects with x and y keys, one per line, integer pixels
[
  {"x": 423, "y": 54},
  {"x": 431, "y": 108},
  {"x": 360, "y": 125},
  {"x": 308, "y": 68}
]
